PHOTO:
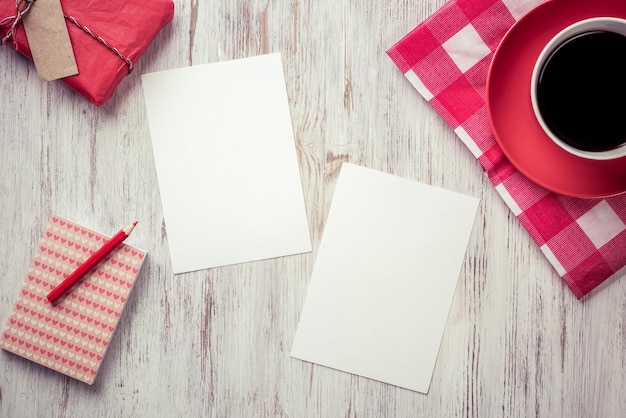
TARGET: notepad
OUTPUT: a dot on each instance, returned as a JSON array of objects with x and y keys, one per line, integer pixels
[
  {"x": 226, "y": 163},
  {"x": 384, "y": 277},
  {"x": 71, "y": 336}
]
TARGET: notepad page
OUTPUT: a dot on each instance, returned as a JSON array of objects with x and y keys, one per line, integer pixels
[
  {"x": 226, "y": 162},
  {"x": 384, "y": 277}
]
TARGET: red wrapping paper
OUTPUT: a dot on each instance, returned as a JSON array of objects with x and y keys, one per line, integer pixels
[{"x": 127, "y": 25}]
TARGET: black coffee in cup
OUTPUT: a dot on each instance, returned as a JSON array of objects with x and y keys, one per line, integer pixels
[{"x": 581, "y": 91}]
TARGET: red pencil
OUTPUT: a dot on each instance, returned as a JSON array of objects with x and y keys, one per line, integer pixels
[{"x": 95, "y": 258}]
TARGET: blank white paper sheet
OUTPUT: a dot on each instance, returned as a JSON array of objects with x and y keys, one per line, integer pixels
[
  {"x": 384, "y": 277},
  {"x": 226, "y": 163}
]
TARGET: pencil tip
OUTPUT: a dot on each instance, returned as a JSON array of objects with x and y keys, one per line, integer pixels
[{"x": 135, "y": 223}]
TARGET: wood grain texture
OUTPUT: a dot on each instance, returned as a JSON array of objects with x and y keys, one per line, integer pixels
[{"x": 216, "y": 343}]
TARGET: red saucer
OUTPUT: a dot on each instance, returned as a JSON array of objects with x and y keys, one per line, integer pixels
[{"x": 510, "y": 111}]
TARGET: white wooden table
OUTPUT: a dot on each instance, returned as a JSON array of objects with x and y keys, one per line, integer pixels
[{"x": 216, "y": 343}]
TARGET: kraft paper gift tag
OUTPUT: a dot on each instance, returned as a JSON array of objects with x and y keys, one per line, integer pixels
[{"x": 49, "y": 40}]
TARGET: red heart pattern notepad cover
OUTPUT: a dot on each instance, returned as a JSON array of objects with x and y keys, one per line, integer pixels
[{"x": 72, "y": 335}]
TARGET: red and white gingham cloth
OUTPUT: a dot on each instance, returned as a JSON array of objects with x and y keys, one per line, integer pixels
[{"x": 446, "y": 58}]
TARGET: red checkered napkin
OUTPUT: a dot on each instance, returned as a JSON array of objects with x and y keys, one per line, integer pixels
[{"x": 446, "y": 58}]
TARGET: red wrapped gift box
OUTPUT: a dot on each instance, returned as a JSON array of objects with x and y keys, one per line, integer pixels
[{"x": 127, "y": 26}]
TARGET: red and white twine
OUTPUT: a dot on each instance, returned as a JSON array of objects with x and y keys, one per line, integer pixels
[{"x": 22, "y": 7}]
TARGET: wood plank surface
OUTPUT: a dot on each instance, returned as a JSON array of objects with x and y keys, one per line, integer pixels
[{"x": 216, "y": 343}]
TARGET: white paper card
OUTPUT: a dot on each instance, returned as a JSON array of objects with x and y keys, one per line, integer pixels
[
  {"x": 384, "y": 277},
  {"x": 226, "y": 163}
]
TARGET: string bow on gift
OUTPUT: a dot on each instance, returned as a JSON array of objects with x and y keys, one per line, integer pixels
[{"x": 22, "y": 7}]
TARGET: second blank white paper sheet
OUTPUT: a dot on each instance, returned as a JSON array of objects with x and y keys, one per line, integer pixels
[
  {"x": 384, "y": 277},
  {"x": 226, "y": 163}
]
